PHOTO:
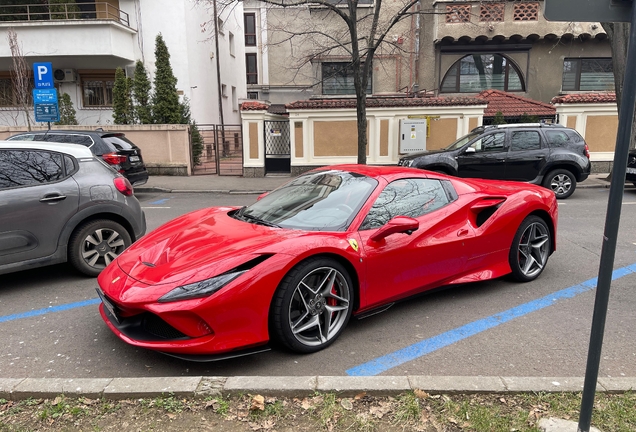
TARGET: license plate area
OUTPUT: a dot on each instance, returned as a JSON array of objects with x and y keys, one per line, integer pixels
[
  {"x": 631, "y": 170},
  {"x": 133, "y": 158},
  {"x": 110, "y": 308}
]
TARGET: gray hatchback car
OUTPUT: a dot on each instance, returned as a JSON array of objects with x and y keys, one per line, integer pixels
[{"x": 58, "y": 203}]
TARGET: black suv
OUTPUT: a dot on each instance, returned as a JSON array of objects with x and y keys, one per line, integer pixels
[
  {"x": 112, "y": 147},
  {"x": 631, "y": 167},
  {"x": 550, "y": 155}
]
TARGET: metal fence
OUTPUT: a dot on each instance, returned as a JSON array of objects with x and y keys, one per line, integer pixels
[{"x": 222, "y": 150}]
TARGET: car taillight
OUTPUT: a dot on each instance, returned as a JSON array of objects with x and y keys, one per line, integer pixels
[
  {"x": 114, "y": 158},
  {"x": 123, "y": 185},
  {"x": 587, "y": 151}
]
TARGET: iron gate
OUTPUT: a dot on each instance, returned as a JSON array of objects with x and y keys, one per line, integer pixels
[
  {"x": 222, "y": 150},
  {"x": 277, "y": 147}
]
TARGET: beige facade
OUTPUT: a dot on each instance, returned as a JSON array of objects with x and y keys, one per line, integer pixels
[{"x": 165, "y": 148}]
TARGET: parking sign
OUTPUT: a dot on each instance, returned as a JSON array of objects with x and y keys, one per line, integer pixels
[{"x": 43, "y": 75}]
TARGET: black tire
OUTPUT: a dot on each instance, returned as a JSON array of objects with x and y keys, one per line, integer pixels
[
  {"x": 561, "y": 181},
  {"x": 94, "y": 244},
  {"x": 297, "y": 323},
  {"x": 530, "y": 250}
]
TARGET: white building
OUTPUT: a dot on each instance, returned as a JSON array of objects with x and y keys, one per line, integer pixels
[{"x": 86, "y": 40}]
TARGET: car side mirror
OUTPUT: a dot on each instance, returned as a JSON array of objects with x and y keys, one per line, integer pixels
[
  {"x": 399, "y": 224},
  {"x": 470, "y": 150}
]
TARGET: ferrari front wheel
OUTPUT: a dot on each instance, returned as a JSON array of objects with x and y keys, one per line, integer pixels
[
  {"x": 312, "y": 305},
  {"x": 530, "y": 249}
]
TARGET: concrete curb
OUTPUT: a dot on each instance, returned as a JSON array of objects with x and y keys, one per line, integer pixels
[{"x": 200, "y": 386}]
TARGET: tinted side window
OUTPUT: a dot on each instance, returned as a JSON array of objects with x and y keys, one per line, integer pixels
[
  {"x": 69, "y": 165},
  {"x": 489, "y": 143},
  {"x": 525, "y": 140},
  {"x": 25, "y": 137},
  {"x": 408, "y": 197},
  {"x": 557, "y": 138},
  {"x": 25, "y": 168},
  {"x": 120, "y": 142}
]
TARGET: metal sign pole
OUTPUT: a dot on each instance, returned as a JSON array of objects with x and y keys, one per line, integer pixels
[{"x": 612, "y": 220}]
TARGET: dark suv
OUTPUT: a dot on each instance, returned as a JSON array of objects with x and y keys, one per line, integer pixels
[
  {"x": 550, "y": 155},
  {"x": 112, "y": 147}
]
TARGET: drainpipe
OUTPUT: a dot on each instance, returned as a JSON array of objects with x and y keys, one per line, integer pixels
[{"x": 218, "y": 78}]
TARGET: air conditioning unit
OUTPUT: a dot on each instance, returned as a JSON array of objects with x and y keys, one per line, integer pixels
[{"x": 64, "y": 75}]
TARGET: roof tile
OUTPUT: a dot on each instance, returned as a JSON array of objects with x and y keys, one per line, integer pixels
[
  {"x": 575, "y": 98},
  {"x": 512, "y": 105}
]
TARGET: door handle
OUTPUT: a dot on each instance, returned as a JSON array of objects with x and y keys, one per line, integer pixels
[
  {"x": 53, "y": 198},
  {"x": 462, "y": 232}
]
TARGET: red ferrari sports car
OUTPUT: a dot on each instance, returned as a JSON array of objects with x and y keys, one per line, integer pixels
[{"x": 337, "y": 241}]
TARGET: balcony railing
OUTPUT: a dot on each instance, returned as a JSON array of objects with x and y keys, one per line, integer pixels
[{"x": 63, "y": 11}]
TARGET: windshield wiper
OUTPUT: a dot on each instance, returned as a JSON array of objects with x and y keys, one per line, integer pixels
[{"x": 258, "y": 220}]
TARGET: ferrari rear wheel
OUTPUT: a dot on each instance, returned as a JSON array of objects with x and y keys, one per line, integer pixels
[
  {"x": 312, "y": 305},
  {"x": 530, "y": 249}
]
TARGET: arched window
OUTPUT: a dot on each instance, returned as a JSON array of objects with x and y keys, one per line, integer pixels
[{"x": 477, "y": 72}]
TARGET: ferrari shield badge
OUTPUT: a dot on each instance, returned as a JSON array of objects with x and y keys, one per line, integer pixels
[{"x": 354, "y": 244}]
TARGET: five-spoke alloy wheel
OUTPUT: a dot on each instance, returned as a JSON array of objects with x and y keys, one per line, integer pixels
[
  {"x": 95, "y": 244},
  {"x": 312, "y": 305},
  {"x": 530, "y": 249}
]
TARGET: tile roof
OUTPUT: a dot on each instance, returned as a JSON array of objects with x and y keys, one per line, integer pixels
[
  {"x": 512, "y": 105},
  {"x": 254, "y": 106},
  {"x": 395, "y": 102},
  {"x": 605, "y": 97}
]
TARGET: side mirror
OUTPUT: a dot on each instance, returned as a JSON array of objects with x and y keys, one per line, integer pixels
[
  {"x": 399, "y": 224},
  {"x": 470, "y": 150}
]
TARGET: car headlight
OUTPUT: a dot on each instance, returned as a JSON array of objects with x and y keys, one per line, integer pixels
[
  {"x": 406, "y": 162},
  {"x": 201, "y": 289}
]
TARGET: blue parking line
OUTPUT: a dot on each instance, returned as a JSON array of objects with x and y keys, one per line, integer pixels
[
  {"x": 161, "y": 201},
  {"x": 44, "y": 311},
  {"x": 422, "y": 348}
]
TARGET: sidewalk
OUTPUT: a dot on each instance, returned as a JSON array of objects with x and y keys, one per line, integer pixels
[{"x": 245, "y": 185}]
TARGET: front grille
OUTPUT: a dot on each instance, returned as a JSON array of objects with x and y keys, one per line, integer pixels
[{"x": 154, "y": 325}]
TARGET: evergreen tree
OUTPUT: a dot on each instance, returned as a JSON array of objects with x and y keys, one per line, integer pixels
[
  {"x": 196, "y": 140},
  {"x": 499, "y": 118},
  {"x": 122, "y": 102},
  {"x": 526, "y": 118},
  {"x": 166, "y": 108},
  {"x": 67, "y": 111},
  {"x": 141, "y": 93}
]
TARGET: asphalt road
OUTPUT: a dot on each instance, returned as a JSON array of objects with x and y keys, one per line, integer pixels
[{"x": 50, "y": 326}]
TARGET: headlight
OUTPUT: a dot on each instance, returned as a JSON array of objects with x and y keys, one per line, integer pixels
[
  {"x": 201, "y": 289},
  {"x": 406, "y": 162}
]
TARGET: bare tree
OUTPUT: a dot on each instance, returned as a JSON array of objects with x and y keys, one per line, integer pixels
[
  {"x": 20, "y": 77},
  {"x": 354, "y": 31}
]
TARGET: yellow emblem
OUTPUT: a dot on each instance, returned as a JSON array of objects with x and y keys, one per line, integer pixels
[
  {"x": 116, "y": 279},
  {"x": 354, "y": 244}
]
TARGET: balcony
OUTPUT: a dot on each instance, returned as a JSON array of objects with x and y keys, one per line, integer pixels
[
  {"x": 504, "y": 21},
  {"x": 69, "y": 30}
]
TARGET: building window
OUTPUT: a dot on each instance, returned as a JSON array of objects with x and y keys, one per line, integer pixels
[
  {"x": 477, "y": 72},
  {"x": 337, "y": 79},
  {"x": 588, "y": 74},
  {"x": 458, "y": 13},
  {"x": 231, "y": 37},
  {"x": 8, "y": 96},
  {"x": 252, "y": 68},
  {"x": 223, "y": 90},
  {"x": 252, "y": 95},
  {"x": 234, "y": 99},
  {"x": 220, "y": 25},
  {"x": 250, "y": 29},
  {"x": 526, "y": 12},
  {"x": 97, "y": 88}
]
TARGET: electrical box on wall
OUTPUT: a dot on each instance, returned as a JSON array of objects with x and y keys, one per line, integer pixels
[{"x": 413, "y": 135}]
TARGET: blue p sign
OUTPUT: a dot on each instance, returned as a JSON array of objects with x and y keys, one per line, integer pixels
[{"x": 43, "y": 75}]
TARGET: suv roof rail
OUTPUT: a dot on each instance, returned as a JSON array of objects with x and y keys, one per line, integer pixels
[{"x": 509, "y": 125}]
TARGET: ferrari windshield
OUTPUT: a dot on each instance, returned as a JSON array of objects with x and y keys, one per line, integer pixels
[
  {"x": 462, "y": 141},
  {"x": 319, "y": 201}
]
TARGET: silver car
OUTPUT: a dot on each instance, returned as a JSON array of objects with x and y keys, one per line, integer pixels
[{"x": 58, "y": 203}]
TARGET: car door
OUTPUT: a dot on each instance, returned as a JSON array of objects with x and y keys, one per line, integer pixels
[
  {"x": 487, "y": 159},
  {"x": 527, "y": 156},
  {"x": 401, "y": 264},
  {"x": 38, "y": 196}
]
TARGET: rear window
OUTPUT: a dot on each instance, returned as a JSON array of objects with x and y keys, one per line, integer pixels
[{"x": 119, "y": 141}]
